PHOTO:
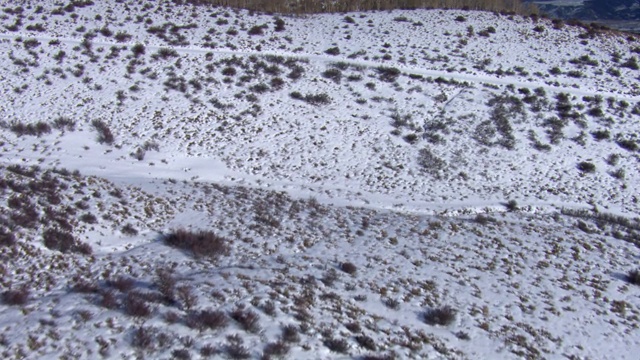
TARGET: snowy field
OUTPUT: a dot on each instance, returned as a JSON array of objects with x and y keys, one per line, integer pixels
[{"x": 194, "y": 182}]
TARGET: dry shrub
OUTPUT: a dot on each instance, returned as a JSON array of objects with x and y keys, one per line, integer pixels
[
  {"x": 337, "y": 345},
  {"x": 349, "y": 268},
  {"x": 444, "y": 315},
  {"x": 142, "y": 338},
  {"x": 58, "y": 240},
  {"x": 109, "y": 299},
  {"x": 129, "y": 230},
  {"x": 105, "y": 136},
  {"x": 247, "y": 319},
  {"x": 166, "y": 284},
  {"x": 633, "y": 277},
  {"x": 85, "y": 286},
  {"x": 181, "y": 354},
  {"x": 122, "y": 283},
  {"x": 136, "y": 306},
  {"x": 290, "y": 333},
  {"x": 207, "y": 319},
  {"x": 55, "y": 239},
  {"x": 235, "y": 348},
  {"x": 366, "y": 342},
  {"x": 278, "y": 349},
  {"x": 200, "y": 243},
  {"x": 186, "y": 296},
  {"x": 6, "y": 238},
  {"x": 18, "y": 296}
]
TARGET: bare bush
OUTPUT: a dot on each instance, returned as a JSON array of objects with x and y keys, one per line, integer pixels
[
  {"x": 186, "y": 296},
  {"x": 278, "y": 348},
  {"x": 128, "y": 229},
  {"x": 55, "y": 239},
  {"x": 166, "y": 283},
  {"x": 105, "y": 136},
  {"x": 38, "y": 129},
  {"x": 143, "y": 338},
  {"x": 313, "y": 99},
  {"x": 332, "y": 51},
  {"x": 248, "y": 319},
  {"x": 334, "y": 75},
  {"x": 586, "y": 167},
  {"x": 430, "y": 163},
  {"x": 337, "y": 345},
  {"x": 138, "y": 50},
  {"x": 6, "y": 238},
  {"x": 84, "y": 286},
  {"x": 349, "y": 268},
  {"x": 269, "y": 308},
  {"x": 391, "y": 303},
  {"x": 136, "y": 306},
  {"x": 164, "y": 54},
  {"x": 235, "y": 348},
  {"x": 208, "y": 350},
  {"x": 181, "y": 354},
  {"x": 122, "y": 283},
  {"x": 633, "y": 277},
  {"x": 205, "y": 244},
  {"x": 366, "y": 342},
  {"x": 109, "y": 299},
  {"x": 64, "y": 123},
  {"x": 387, "y": 74},
  {"x": 18, "y": 296},
  {"x": 207, "y": 319},
  {"x": 330, "y": 277},
  {"x": 445, "y": 315},
  {"x": 290, "y": 333},
  {"x": 257, "y": 30},
  {"x": 280, "y": 25}
]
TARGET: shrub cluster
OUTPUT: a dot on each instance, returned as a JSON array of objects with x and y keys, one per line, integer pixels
[
  {"x": 105, "y": 136},
  {"x": 135, "y": 305},
  {"x": 202, "y": 244},
  {"x": 337, "y": 345},
  {"x": 333, "y": 74},
  {"x": 586, "y": 167},
  {"x": 55, "y": 239},
  {"x": 633, "y": 277},
  {"x": 257, "y": 30},
  {"x": 290, "y": 333},
  {"x": 7, "y": 238},
  {"x": 388, "y": 74},
  {"x": 164, "y": 54},
  {"x": 332, "y": 51},
  {"x": 247, "y": 319},
  {"x": 445, "y": 315},
  {"x": 313, "y": 99},
  {"x": 38, "y": 129},
  {"x": 16, "y": 297},
  {"x": 430, "y": 163},
  {"x": 207, "y": 319},
  {"x": 349, "y": 268}
]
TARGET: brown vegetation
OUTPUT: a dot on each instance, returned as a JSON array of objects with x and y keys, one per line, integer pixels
[{"x": 326, "y": 6}]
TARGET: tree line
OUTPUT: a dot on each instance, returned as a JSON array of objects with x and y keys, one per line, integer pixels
[{"x": 338, "y": 6}]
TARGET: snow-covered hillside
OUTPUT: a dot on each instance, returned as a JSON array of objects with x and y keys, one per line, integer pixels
[{"x": 191, "y": 182}]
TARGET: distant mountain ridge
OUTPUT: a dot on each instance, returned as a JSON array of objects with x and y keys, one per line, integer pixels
[{"x": 593, "y": 9}]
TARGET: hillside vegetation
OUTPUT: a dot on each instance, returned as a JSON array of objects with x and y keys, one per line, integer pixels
[
  {"x": 181, "y": 182},
  {"x": 324, "y": 6}
]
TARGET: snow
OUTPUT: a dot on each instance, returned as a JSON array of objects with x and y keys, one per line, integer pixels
[{"x": 407, "y": 177}]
